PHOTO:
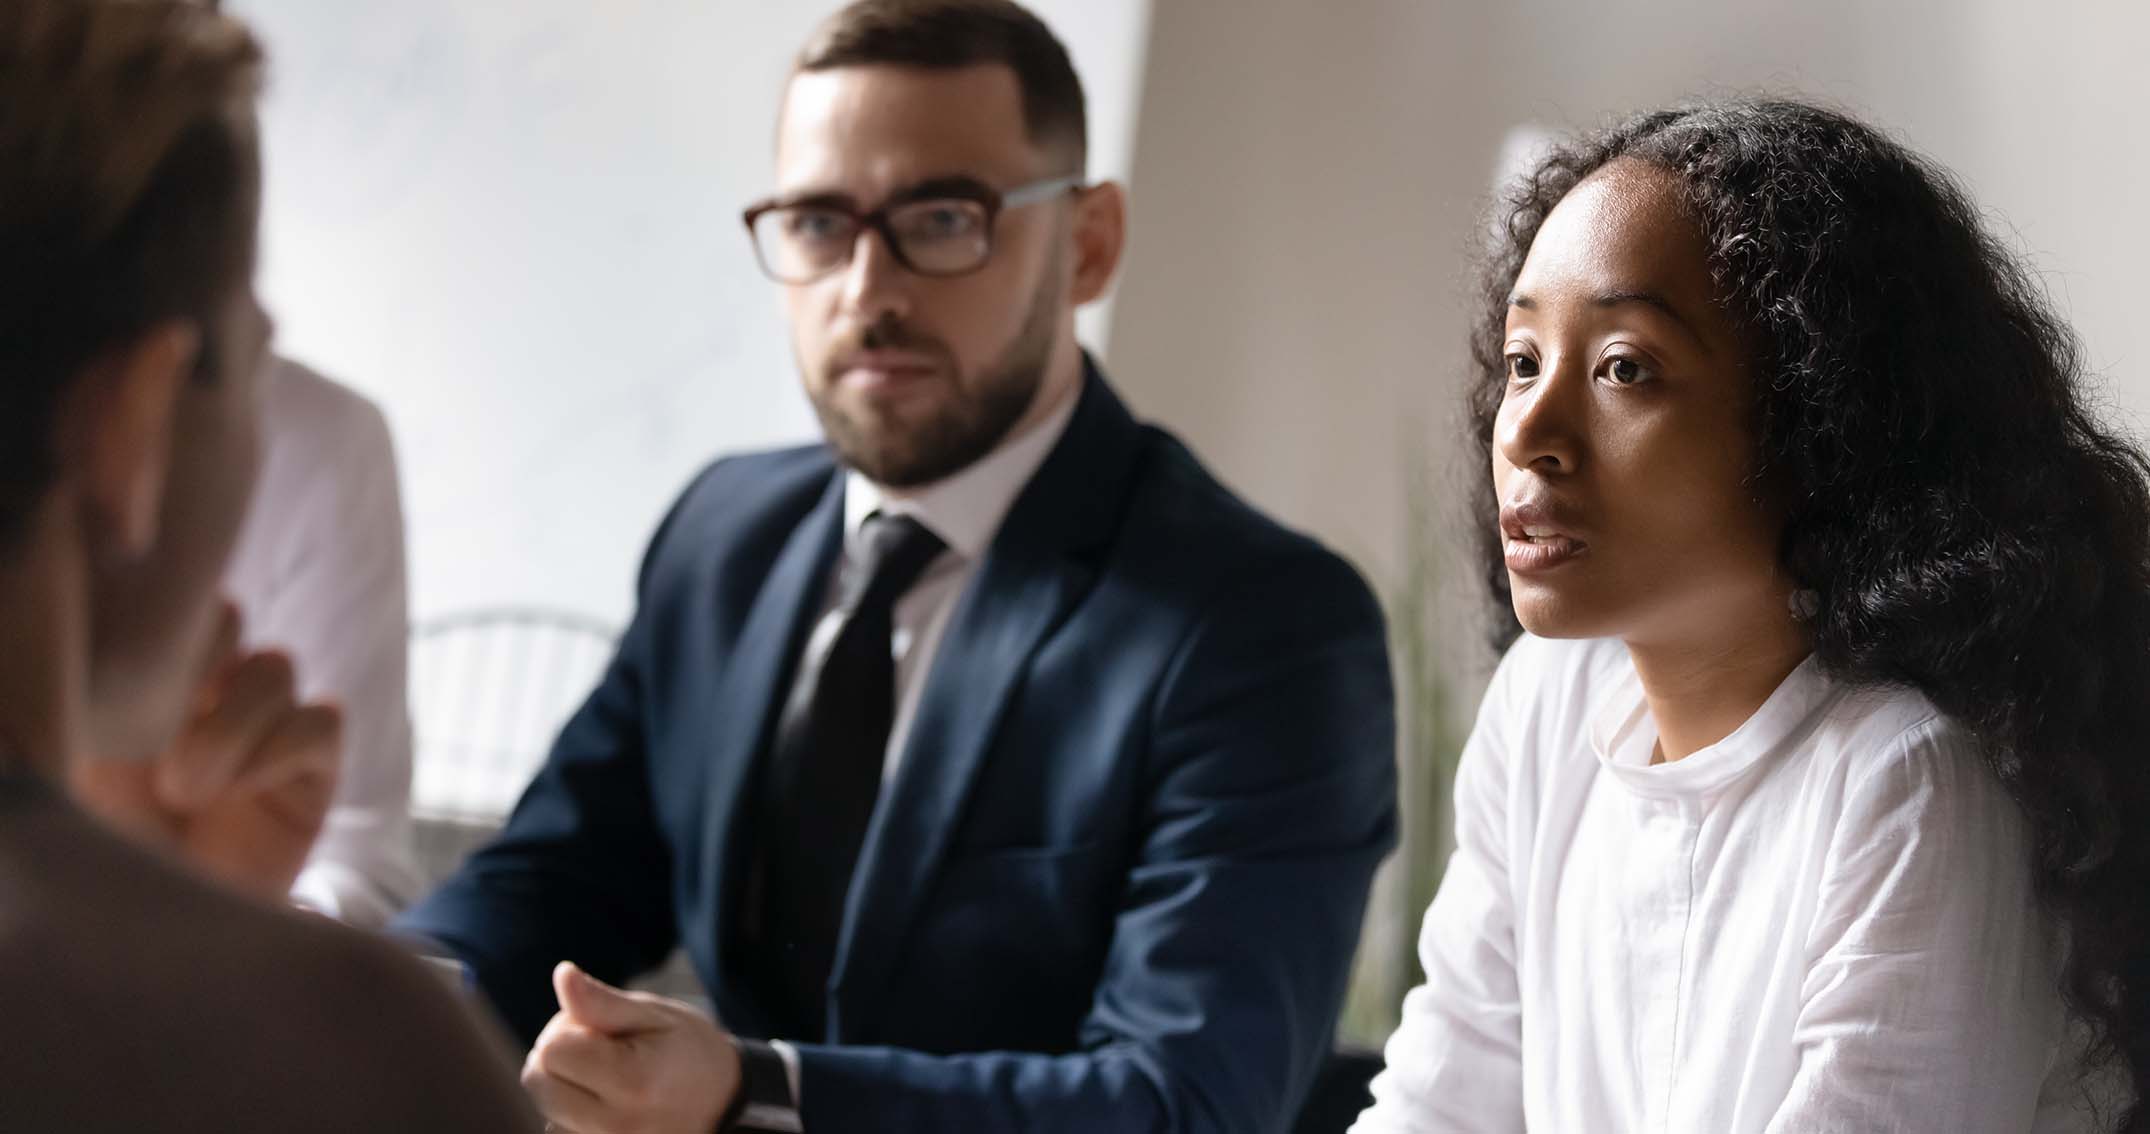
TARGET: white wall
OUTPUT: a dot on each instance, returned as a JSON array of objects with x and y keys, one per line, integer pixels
[
  {"x": 514, "y": 223},
  {"x": 1308, "y": 176}
]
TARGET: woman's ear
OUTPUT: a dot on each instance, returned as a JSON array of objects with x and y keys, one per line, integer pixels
[{"x": 120, "y": 421}]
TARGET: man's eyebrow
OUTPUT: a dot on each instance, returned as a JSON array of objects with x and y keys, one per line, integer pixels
[
  {"x": 815, "y": 198},
  {"x": 948, "y": 185}
]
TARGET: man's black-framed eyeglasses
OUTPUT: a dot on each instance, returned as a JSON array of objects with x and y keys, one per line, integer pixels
[{"x": 941, "y": 228}]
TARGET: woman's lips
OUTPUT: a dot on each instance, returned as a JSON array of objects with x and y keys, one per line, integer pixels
[
  {"x": 1537, "y": 534},
  {"x": 1533, "y": 555}
]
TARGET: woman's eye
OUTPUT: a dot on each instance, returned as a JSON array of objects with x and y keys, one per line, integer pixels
[
  {"x": 1522, "y": 366},
  {"x": 1627, "y": 372}
]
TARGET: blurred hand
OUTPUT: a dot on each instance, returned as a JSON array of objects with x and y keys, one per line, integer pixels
[
  {"x": 244, "y": 790},
  {"x": 614, "y": 1062}
]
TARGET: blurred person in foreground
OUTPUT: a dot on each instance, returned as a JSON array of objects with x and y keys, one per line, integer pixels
[
  {"x": 1813, "y": 796},
  {"x": 998, "y": 769},
  {"x": 137, "y": 994}
]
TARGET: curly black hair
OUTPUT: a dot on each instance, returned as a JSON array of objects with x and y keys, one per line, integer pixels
[{"x": 1967, "y": 526}]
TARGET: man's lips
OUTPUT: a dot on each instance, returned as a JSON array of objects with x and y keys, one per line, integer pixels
[{"x": 882, "y": 370}]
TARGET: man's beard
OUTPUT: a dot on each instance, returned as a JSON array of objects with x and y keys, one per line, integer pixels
[{"x": 970, "y": 423}]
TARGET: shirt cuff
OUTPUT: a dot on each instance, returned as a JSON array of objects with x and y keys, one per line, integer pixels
[{"x": 790, "y": 1056}]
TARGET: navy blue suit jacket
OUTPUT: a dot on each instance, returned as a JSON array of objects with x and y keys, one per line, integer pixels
[{"x": 1116, "y": 882}]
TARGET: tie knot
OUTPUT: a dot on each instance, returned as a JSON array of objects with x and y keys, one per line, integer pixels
[{"x": 893, "y": 551}]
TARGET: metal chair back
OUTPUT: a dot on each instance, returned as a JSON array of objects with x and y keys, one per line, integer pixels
[{"x": 490, "y": 690}]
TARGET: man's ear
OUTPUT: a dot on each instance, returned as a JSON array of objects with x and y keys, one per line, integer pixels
[
  {"x": 120, "y": 421},
  {"x": 1100, "y": 234}
]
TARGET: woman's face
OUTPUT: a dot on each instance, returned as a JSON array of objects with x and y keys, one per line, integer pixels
[{"x": 1623, "y": 451}]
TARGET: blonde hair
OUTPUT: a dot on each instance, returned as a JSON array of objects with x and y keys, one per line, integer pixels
[
  {"x": 94, "y": 94},
  {"x": 129, "y": 184}
]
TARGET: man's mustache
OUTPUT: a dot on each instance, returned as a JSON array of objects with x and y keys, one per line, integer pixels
[{"x": 886, "y": 333}]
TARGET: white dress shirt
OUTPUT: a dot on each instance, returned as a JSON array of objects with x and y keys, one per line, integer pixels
[
  {"x": 965, "y": 510},
  {"x": 1823, "y": 922},
  {"x": 319, "y": 573}
]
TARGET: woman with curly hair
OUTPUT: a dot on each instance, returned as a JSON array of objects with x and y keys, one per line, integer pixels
[{"x": 1815, "y": 796}]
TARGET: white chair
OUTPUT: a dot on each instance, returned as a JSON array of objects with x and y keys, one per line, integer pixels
[{"x": 490, "y": 690}]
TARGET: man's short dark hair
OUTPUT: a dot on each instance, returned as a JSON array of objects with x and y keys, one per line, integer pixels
[
  {"x": 129, "y": 188},
  {"x": 950, "y": 34}
]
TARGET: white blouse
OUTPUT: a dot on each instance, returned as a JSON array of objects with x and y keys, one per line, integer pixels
[{"x": 1821, "y": 923}]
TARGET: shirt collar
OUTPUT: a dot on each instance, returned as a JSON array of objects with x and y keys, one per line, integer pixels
[
  {"x": 1625, "y": 738},
  {"x": 965, "y": 508}
]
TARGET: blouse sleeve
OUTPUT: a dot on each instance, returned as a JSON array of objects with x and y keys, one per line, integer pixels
[
  {"x": 1454, "y": 1063},
  {"x": 1931, "y": 997}
]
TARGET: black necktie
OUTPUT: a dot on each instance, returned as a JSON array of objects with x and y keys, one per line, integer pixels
[{"x": 824, "y": 776}]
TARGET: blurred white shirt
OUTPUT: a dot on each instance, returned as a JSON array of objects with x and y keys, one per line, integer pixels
[
  {"x": 319, "y": 573},
  {"x": 1822, "y": 922}
]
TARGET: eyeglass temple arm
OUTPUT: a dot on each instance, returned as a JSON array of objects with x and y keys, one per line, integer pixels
[{"x": 1041, "y": 190}]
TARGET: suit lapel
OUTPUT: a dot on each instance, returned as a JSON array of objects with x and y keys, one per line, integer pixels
[
  {"x": 1042, "y": 562},
  {"x": 751, "y": 689}
]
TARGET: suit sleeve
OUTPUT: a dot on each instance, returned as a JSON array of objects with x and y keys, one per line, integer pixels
[
  {"x": 1270, "y": 801},
  {"x": 581, "y": 871}
]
